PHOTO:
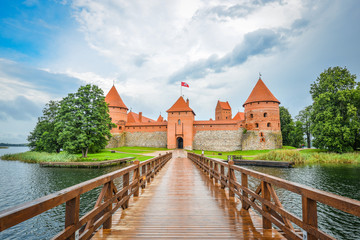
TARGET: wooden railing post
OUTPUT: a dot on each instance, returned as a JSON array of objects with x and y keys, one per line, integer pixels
[
  {"x": 244, "y": 183},
  {"x": 148, "y": 171},
  {"x": 211, "y": 166},
  {"x": 143, "y": 176},
  {"x": 222, "y": 172},
  {"x": 72, "y": 213},
  {"x": 231, "y": 177},
  {"x": 108, "y": 195},
  {"x": 126, "y": 179},
  {"x": 152, "y": 167},
  {"x": 266, "y": 195},
  {"x": 216, "y": 172},
  {"x": 309, "y": 213},
  {"x": 136, "y": 177}
]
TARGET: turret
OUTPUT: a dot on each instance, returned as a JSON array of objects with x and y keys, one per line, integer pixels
[
  {"x": 117, "y": 110},
  {"x": 223, "y": 111}
]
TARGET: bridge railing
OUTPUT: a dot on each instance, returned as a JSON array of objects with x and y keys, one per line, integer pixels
[
  {"x": 272, "y": 211},
  {"x": 109, "y": 200}
]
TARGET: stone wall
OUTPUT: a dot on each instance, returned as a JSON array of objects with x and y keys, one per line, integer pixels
[
  {"x": 146, "y": 139},
  {"x": 117, "y": 140},
  {"x": 253, "y": 140},
  {"x": 219, "y": 140}
]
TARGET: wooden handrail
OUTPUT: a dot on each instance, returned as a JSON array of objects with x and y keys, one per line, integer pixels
[
  {"x": 104, "y": 206},
  {"x": 273, "y": 211}
]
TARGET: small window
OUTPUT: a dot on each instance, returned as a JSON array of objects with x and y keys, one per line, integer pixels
[
  {"x": 226, "y": 117},
  {"x": 265, "y": 114},
  {"x": 268, "y": 124},
  {"x": 179, "y": 122},
  {"x": 261, "y": 134},
  {"x": 262, "y": 140},
  {"x": 256, "y": 125},
  {"x": 119, "y": 127},
  {"x": 251, "y": 115}
]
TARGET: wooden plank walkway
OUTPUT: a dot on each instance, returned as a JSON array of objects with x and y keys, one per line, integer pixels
[{"x": 182, "y": 203}]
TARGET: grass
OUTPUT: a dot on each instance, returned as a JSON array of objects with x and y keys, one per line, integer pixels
[
  {"x": 138, "y": 149},
  {"x": 311, "y": 156},
  {"x": 37, "y": 157}
]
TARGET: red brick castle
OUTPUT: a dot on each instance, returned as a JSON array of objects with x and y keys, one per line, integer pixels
[{"x": 258, "y": 127}]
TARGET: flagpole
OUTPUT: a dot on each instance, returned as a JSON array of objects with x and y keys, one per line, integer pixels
[{"x": 180, "y": 90}]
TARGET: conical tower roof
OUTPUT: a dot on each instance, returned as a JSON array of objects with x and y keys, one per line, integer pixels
[
  {"x": 261, "y": 93},
  {"x": 180, "y": 106},
  {"x": 114, "y": 100}
]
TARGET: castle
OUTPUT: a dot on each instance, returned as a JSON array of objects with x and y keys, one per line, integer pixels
[{"x": 258, "y": 127}]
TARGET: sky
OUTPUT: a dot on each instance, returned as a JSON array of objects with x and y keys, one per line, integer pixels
[{"x": 49, "y": 48}]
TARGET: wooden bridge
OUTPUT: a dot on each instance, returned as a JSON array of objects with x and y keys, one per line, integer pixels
[{"x": 191, "y": 197}]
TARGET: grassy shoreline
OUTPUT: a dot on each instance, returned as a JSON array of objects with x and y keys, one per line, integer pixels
[{"x": 103, "y": 155}]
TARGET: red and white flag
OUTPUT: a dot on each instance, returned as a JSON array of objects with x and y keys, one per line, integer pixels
[{"x": 184, "y": 84}]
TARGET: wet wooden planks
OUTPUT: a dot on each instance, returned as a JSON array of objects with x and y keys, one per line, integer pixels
[{"x": 182, "y": 203}]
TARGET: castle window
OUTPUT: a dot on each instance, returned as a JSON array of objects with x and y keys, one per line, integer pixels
[
  {"x": 119, "y": 127},
  {"x": 265, "y": 114},
  {"x": 268, "y": 124},
  {"x": 226, "y": 117},
  {"x": 179, "y": 122},
  {"x": 256, "y": 125},
  {"x": 262, "y": 140},
  {"x": 261, "y": 134},
  {"x": 251, "y": 115}
]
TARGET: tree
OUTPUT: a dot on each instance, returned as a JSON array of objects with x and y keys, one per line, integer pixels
[
  {"x": 83, "y": 121},
  {"x": 287, "y": 125},
  {"x": 44, "y": 138},
  {"x": 335, "y": 116},
  {"x": 297, "y": 135},
  {"x": 305, "y": 118}
]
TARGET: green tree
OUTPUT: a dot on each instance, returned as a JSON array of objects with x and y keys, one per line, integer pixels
[
  {"x": 305, "y": 118},
  {"x": 335, "y": 116},
  {"x": 297, "y": 135},
  {"x": 287, "y": 126},
  {"x": 83, "y": 121},
  {"x": 44, "y": 138}
]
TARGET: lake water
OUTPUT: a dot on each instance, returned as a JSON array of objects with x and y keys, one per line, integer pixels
[{"x": 22, "y": 182}]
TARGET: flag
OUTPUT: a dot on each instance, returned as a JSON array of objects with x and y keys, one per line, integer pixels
[{"x": 184, "y": 84}]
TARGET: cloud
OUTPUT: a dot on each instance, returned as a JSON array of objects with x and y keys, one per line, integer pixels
[
  {"x": 258, "y": 42},
  {"x": 20, "y": 108},
  {"x": 37, "y": 84}
]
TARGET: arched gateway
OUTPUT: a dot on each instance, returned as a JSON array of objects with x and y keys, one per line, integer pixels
[{"x": 180, "y": 143}]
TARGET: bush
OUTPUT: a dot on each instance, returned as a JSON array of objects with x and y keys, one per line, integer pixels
[
  {"x": 36, "y": 157},
  {"x": 283, "y": 155}
]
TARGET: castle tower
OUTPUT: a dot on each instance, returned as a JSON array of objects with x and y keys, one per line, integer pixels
[
  {"x": 223, "y": 111},
  {"x": 180, "y": 125},
  {"x": 117, "y": 110},
  {"x": 262, "y": 117}
]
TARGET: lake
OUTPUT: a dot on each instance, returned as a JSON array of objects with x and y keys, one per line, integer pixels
[{"x": 22, "y": 182}]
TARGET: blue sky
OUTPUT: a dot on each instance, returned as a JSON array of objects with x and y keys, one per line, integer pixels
[{"x": 50, "y": 48}]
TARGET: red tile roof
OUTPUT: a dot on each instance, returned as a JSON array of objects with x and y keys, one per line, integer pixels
[
  {"x": 180, "y": 106},
  {"x": 239, "y": 116},
  {"x": 113, "y": 99},
  {"x": 134, "y": 118},
  {"x": 225, "y": 105},
  {"x": 160, "y": 119},
  {"x": 261, "y": 93}
]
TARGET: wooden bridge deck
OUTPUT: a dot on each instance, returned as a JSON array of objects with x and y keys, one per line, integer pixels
[{"x": 183, "y": 203}]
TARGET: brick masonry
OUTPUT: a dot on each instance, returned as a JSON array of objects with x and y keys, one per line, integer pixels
[{"x": 226, "y": 140}]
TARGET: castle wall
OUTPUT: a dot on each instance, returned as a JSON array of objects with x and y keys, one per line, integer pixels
[
  {"x": 218, "y": 140},
  {"x": 146, "y": 139},
  {"x": 117, "y": 140},
  {"x": 258, "y": 140}
]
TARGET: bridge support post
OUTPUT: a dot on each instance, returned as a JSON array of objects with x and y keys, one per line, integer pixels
[
  {"x": 126, "y": 179},
  {"x": 107, "y": 224},
  {"x": 136, "y": 176},
  {"x": 148, "y": 171},
  {"x": 72, "y": 213},
  {"x": 244, "y": 183},
  {"x": 231, "y": 177},
  {"x": 309, "y": 213},
  {"x": 222, "y": 172},
  {"x": 266, "y": 195}
]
